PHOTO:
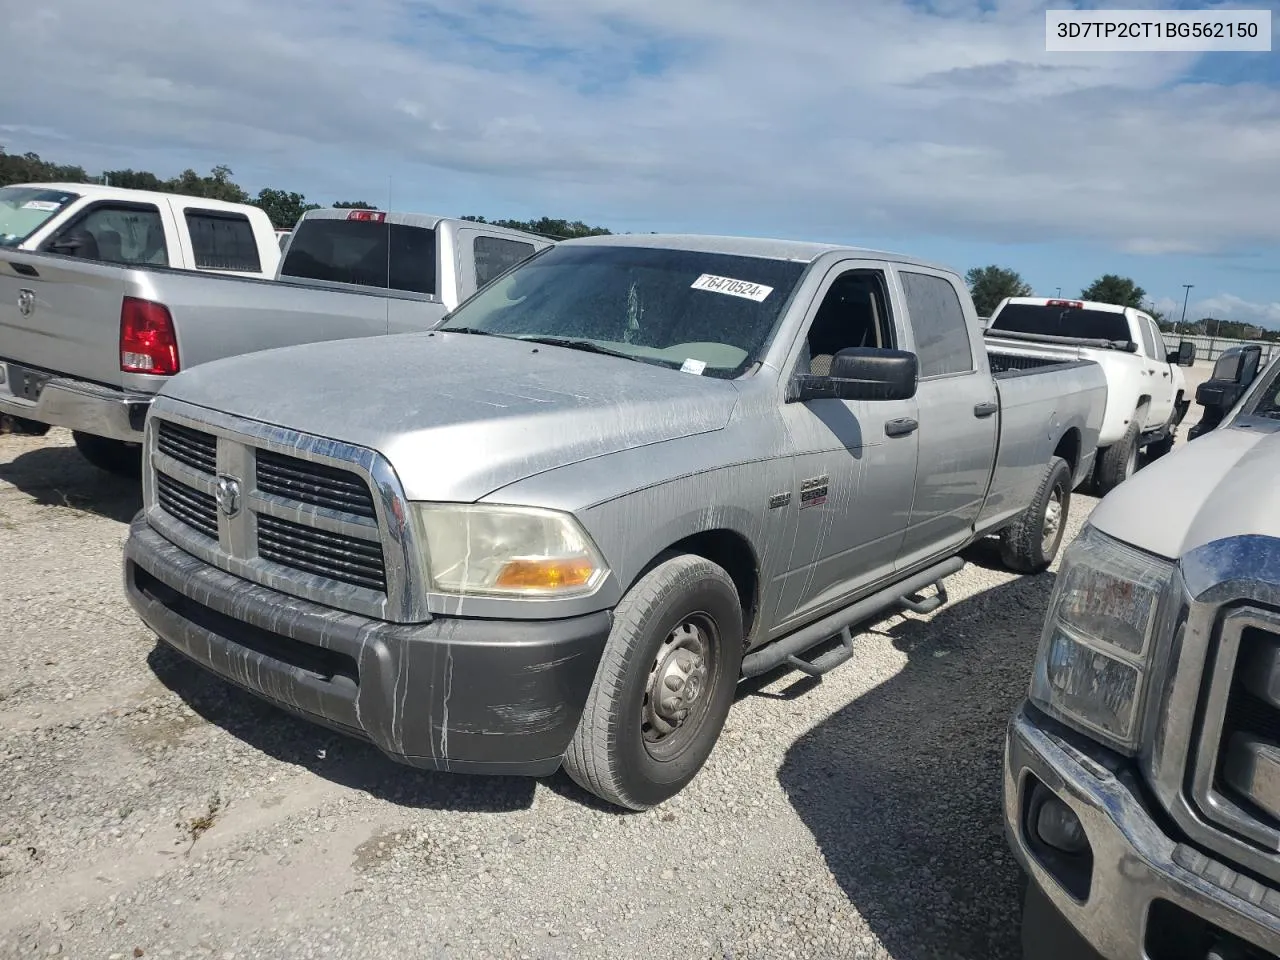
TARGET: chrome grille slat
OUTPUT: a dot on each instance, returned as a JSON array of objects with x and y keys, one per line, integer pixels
[
  {"x": 313, "y": 483},
  {"x": 197, "y": 510},
  {"x": 194, "y": 448}
]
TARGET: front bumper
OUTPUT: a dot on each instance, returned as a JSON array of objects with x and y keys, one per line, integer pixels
[
  {"x": 1135, "y": 863},
  {"x": 466, "y": 695},
  {"x": 79, "y": 405}
]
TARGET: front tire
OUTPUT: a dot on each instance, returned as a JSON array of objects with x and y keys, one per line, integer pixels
[
  {"x": 1029, "y": 544},
  {"x": 664, "y": 685},
  {"x": 114, "y": 456}
]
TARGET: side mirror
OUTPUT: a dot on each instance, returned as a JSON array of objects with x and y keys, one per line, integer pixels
[
  {"x": 70, "y": 243},
  {"x": 863, "y": 373},
  {"x": 1184, "y": 356}
]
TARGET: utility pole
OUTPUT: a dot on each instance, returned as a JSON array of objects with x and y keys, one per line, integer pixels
[
  {"x": 1059, "y": 293},
  {"x": 1185, "y": 297}
]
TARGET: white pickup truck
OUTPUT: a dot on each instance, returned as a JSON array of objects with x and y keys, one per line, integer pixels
[
  {"x": 1146, "y": 391},
  {"x": 115, "y": 225}
]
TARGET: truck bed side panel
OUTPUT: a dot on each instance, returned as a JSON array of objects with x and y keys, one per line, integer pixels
[
  {"x": 1039, "y": 406},
  {"x": 72, "y": 320}
]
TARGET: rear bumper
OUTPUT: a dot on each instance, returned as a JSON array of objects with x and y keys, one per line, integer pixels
[
  {"x": 80, "y": 405},
  {"x": 466, "y": 695},
  {"x": 1136, "y": 863}
]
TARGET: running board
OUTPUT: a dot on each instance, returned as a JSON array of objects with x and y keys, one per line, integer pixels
[{"x": 903, "y": 595}]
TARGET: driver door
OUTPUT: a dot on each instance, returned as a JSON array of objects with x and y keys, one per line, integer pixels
[{"x": 853, "y": 462}]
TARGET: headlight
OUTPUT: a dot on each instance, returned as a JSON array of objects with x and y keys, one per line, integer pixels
[
  {"x": 1095, "y": 652},
  {"x": 482, "y": 550}
]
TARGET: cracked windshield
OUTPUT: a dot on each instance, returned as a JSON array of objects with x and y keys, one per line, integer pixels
[{"x": 613, "y": 481}]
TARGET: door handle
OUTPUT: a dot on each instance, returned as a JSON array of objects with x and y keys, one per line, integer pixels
[
  {"x": 26, "y": 269},
  {"x": 900, "y": 427},
  {"x": 985, "y": 409}
]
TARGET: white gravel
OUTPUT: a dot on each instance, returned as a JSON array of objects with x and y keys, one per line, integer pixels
[{"x": 857, "y": 817}]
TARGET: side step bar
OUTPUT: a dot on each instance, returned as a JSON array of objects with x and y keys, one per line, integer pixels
[{"x": 899, "y": 595}]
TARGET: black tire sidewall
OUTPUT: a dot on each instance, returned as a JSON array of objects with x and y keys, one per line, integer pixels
[
  {"x": 644, "y": 778},
  {"x": 112, "y": 456}
]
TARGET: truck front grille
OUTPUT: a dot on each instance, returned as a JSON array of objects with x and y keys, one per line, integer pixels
[
  {"x": 195, "y": 448},
  {"x": 293, "y": 524},
  {"x": 1248, "y": 760},
  {"x": 314, "y": 483},
  {"x": 333, "y": 555},
  {"x": 195, "y": 508}
]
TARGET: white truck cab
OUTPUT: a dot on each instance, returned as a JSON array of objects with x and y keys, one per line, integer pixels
[
  {"x": 1146, "y": 389},
  {"x": 139, "y": 227}
]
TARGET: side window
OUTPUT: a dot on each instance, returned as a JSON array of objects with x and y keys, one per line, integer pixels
[
  {"x": 223, "y": 241},
  {"x": 1154, "y": 341},
  {"x": 937, "y": 318},
  {"x": 118, "y": 233},
  {"x": 854, "y": 313},
  {"x": 495, "y": 255}
]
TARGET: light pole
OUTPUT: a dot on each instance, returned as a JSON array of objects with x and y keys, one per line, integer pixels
[
  {"x": 1059, "y": 293},
  {"x": 1185, "y": 297}
]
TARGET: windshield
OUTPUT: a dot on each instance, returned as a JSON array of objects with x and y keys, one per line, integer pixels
[
  {"x": 23, "y": 210},
  {"x": 707, "y": 313},
  {"x": 1056, "y": 321},
  {"x": 1264, "y": 399}
]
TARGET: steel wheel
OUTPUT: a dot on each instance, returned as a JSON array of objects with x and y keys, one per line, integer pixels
[
  {"x": 675, "y": 694},
  {"x": 1052, "y": 521}
]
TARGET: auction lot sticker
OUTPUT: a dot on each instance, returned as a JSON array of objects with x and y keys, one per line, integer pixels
[
  {"x": 734, "y": 288},
  {"x": 1119, "y": 31}
]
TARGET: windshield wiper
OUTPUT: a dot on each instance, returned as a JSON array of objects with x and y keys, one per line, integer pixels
[
  {"x": 585, "y": 345},
  {"x": 475, "y": 330}
]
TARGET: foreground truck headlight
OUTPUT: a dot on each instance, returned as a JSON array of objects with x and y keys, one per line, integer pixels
[
  {"x": 1095, "y": 652},
  {"x": 484, "y": 550}
]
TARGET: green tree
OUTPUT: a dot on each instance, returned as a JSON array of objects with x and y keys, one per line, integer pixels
[
  {"x": 354, "y": 205},
  {"x": 284, "y": 207},
  {"x": 991, "y": 284},
  {"x": 1111, "y": 288},
  {"x": 133, "y": 179},
  {"x": 29, "y": 168}
]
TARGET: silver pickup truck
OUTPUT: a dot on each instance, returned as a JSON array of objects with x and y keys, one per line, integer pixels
[
  {"x": 560, "y": 527},
  {"x": 85, "y": 344},
  {"x": 1142, "y": 776}
]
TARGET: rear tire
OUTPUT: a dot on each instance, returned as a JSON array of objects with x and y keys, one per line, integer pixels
[
  {"x": 1029, "y": 544},
  {"x": 114, "y": 456},
  {"x": 664, "y": 685},
  {"x": 23, "y": 426},
  {"x": 1118, "y": 462}
]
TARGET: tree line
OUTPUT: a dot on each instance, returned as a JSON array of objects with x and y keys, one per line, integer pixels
[
  {"x": 991, "y": 284},
  {"x": 284, "y": 207}
]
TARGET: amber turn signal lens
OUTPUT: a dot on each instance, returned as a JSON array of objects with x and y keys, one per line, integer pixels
[{"x": 549, "y": 574}]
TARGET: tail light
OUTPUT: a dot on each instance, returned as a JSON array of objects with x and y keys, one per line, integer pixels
[
  {"x": 1074, "y": 304},
  {"x": 148, "y": 343},
  {"x": 376, "y": 216}
]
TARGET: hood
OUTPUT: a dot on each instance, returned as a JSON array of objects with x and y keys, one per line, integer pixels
[
  {"x": 460, "y": 415},
  {"x": 1220, "y": 485}
]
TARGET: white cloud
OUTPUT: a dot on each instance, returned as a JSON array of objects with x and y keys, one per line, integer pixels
[{"x": 827, "y": 114}]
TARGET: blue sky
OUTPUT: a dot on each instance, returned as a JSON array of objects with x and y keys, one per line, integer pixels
[{"x": 942, "y": 129}]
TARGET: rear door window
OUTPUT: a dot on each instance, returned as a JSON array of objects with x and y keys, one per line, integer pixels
[
  {"x": 223, "y": 241},
  {"x": 495, "y": 255},
  {"x": 117, "y": 233},
  {"x": 366, "y": 253},
  {"x": 937, "y": 318}
]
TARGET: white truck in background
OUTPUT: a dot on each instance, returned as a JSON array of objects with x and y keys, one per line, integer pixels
[
  {"x": 86, "y": 343},
  {"x": 1146, "y": 390},
  {"x": 115, "y": 225}
]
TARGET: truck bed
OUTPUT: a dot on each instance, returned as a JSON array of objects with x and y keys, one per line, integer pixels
[
  {"x": 1035, "y": 393},
  {"x": 72, "y": 324}
]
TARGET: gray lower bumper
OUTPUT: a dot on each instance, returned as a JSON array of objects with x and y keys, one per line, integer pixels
[
  {"x": 86, "y": 407},
  {"x": 1135, "y": 862},
  {"x": 463, "y": 695}
]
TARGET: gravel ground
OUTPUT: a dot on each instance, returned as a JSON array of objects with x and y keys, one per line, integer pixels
[{"x": 148, "y": 809}]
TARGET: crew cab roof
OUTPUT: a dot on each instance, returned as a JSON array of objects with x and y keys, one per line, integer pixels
[
  {"x": 1085, "y": 304},
  {"x": 98, "y": 191},
  {"x": 748, "y": 247}
]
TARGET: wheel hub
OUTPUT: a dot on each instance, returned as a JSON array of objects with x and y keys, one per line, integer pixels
[
  {"x": 1052, "y": 518},
  {"x": 677, "y": 682}
]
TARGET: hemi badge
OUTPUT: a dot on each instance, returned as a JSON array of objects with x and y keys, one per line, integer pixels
[{"x": 779, "y": 500}]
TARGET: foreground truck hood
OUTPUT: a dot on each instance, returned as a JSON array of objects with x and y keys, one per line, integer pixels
[
  {"x": 1220, "y": 485},
  {"x": 460, "y": 415}
]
